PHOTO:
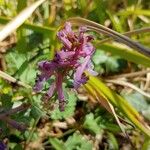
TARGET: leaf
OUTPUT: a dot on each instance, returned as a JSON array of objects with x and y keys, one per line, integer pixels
[
  {"x": 113, "y": 144},
  {"x": 13, "y": 63},
  {"x": 115, "y": 22},
  {"x": 21, "y": 69},
  {"x": 6, "y": 101},
  {"x": 99, "y": 57},
  {"x": 102, "y": 99},
  {"x": 69, "y": 109},
  {"x": 36, "y": 112},
  {"x": 127, "y": 54},
  {"x": 21, "y": 33},
  {"x": 5, "y": 130},
  {"x": 134, "y": 12},
  {"x": 28, "y": 75},
  {"x": 109, "y": 64},
  {"x": 91, "y": 124},
  {"x": 137, "y": 100},
  {"x": 18, "y": 147},
  {"x": 77, "y": 141},
  {"x": 146, "y": 145},
  {"x": 140, "y": 102},
  {"x": 57, "y": 144},
  {"x": 118, "y": 101}
]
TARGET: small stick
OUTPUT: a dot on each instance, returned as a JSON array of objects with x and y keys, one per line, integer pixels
[{"x": 13, "y": 80}]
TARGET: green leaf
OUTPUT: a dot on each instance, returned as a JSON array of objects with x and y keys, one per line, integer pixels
[
  {"x": 135, "y": 12},
  {"x": 57, "y": 144},
  {"x": 21, "y": 33},
  {"x": 91, "y": 124},
  {"x": 146, "y": 145},
  {"x": 115, "y": 22},
  {"x": 126, "y": 54},
  {"x": 78, "y": 142},
  {"x": 14, "y": 61},
  {"x": 109, "y": 64},
  {"x": 18, "y": 147},
  {"x": 35, "y": 112},
  {"x": 118, "y": 101},
  {"x": 69, "y": 108},
  {"x": 5, "y": 129},
  {"x": 21, "y": 69},
  {"x": 6, "y": 101},
  {"x": 99, "y": 57},
  {"x": 139, "y": 102},
  {"x": 113, "y": 144}
]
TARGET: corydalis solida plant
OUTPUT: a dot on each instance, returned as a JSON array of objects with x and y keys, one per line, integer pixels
[{"x": 71, "y": 62}]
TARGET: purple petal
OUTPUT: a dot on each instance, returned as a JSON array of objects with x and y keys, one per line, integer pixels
[
  {"x": 90, "y": 68},
  {"x": 80, "y": 70},
  {"x": 41, "y": 64},
  {"x": 68, "y": 27},
  {"x": 51, "y": 90},
  {"x": 82, "y": 29},
  {"x": 88, "y": 49},
  {"x": 64, "y": 55},
  {"x": 39, "y": 83},
  {"x": 46, "y": 66},
  {"x": 47, "y": 69},
  {"x": 67, "y": 36},
  {"x": 59, "y": 88},
  {"x": 92, "y": 72},
  {"x": 40, "y": 80},
  {"x": 64, "y": 40},
  {"x": 83, "y": 80}
]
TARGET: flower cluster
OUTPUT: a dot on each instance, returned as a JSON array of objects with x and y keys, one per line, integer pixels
[{"x": 71, "y": 61}]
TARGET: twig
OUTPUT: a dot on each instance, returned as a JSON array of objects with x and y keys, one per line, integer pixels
[
  {"x": 15, "y": 110},
  {"x": 15, "y": 124},
  {"x": 6, "y": 117},
  {"x": 124, "y": 83},
  {"x": 130, "y": 75},
  {"x": 129, "y": 33},
  {"x": 147, "y": 84},
  {"x": 13, "y": 80}
]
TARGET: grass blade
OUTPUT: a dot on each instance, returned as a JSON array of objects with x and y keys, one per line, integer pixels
[
  {"x": 102, "y": 99},
  {"x": 120, "y": 103},
  {"x": 117, "y": 36},
  {"x": 19, "y": 20},
  {"x": 125, "y": 53},
  {"x": 134, "y": 12}
]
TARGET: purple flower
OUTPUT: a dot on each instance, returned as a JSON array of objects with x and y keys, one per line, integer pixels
[{"x": 71, "y": 61}]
